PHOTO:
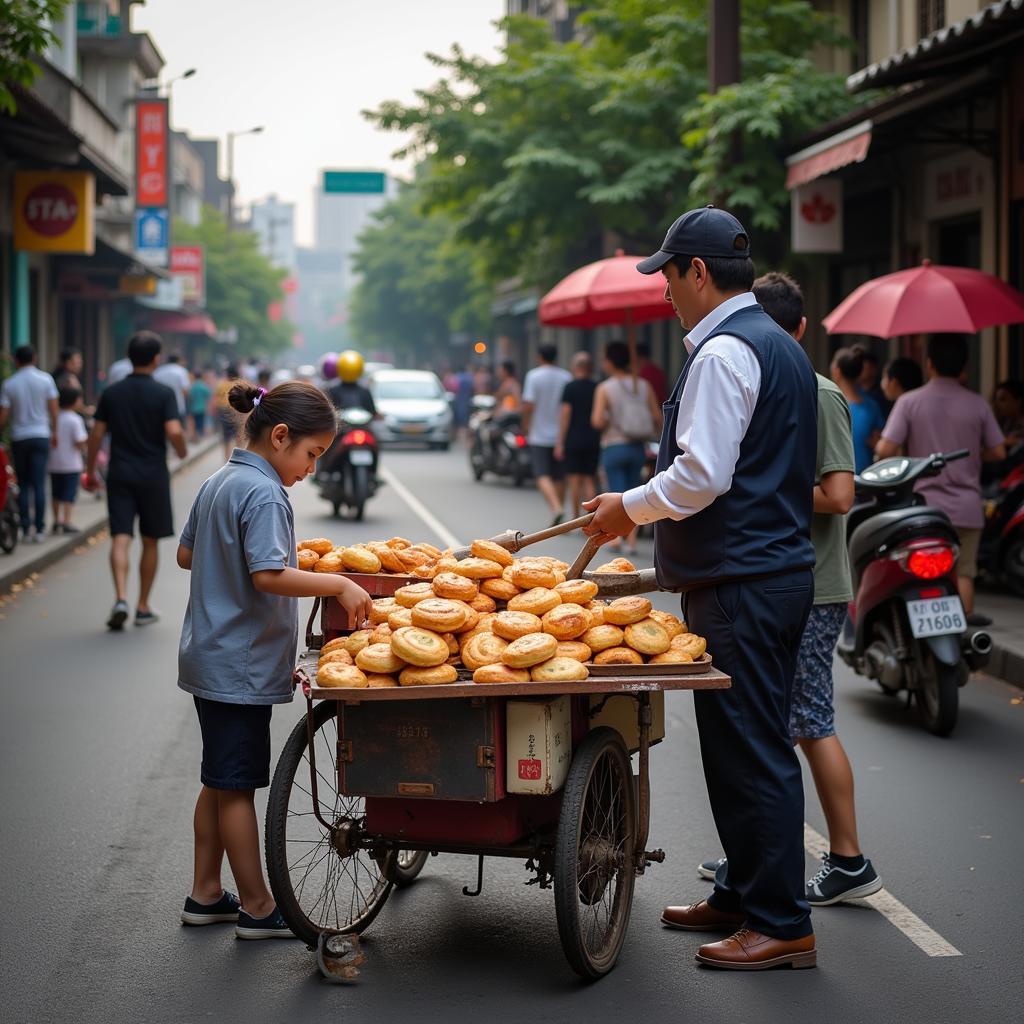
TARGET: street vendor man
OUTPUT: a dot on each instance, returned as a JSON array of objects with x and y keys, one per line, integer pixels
[{"x": 731, "y": 503}]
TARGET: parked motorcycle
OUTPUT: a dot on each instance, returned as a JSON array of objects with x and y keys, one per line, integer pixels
[
  {"x": 1002, "y": 542},
  {"x": 9, "y": 517},
  {"x": 497, "y": 443},
  {"x": 347, "y": 472},
  {"x": 906, "y": 627}
]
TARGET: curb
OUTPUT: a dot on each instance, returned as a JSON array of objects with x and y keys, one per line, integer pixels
[
  {"x": 1007, "y": 665},
  {"x": 55, "y": 551}
]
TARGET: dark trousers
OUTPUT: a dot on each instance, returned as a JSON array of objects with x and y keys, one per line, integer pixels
[
  {"x": 30, "y": 458},
  {"x": 753, "y": 630}
]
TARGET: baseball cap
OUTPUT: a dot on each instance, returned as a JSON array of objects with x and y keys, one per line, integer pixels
[{"x": 704, "y": 232}]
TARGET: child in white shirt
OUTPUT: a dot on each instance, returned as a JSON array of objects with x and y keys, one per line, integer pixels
[{"x": 66, "y": 462}]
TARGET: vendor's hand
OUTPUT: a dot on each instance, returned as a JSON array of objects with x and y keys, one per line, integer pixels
[
  {"x": 611, "y": 520},
  {"x": 355, "y": 601},
  {"x": 559, "y": 453}
]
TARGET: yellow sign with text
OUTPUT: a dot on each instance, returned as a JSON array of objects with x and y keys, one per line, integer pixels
[{"x": 54, "y": 211}]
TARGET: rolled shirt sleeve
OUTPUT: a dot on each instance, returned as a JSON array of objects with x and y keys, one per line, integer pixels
[
  {"x": 268, "y": 536},
  {"x": 715, "y": 411}
]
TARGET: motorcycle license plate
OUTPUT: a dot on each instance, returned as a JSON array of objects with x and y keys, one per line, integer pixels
[
  {"x": 360, "y": 457},
  {"x": 939, "y": 616}
]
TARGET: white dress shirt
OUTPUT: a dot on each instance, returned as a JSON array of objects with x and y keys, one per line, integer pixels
[{"x": 715, "y": 409}]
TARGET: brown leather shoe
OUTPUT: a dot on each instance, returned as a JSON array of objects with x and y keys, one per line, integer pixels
[
  {"x": 700, "y": 917},
  {"x": 751, "y": 951}
]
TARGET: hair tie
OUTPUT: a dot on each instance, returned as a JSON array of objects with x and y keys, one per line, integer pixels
[{"x": 259, "y": 398}]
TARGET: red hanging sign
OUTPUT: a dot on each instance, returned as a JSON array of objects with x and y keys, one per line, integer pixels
[{"x": 151, "y": 153}]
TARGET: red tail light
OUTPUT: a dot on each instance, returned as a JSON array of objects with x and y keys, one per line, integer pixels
[
  {"x": 520, "y": 441},
  {"x": 357, "y": 437},
  {"x": 931, "y": 562}
]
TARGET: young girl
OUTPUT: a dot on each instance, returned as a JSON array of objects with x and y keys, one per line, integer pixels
[
  {"x": 66, "y": 457},
  {"x": 240, "y": 633}
]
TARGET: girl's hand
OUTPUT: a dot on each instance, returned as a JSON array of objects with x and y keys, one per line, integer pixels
[{"x": 354, "y": 600}]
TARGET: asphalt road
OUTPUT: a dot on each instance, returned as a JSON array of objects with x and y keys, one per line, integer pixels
[{"x": 99, "y": 758}]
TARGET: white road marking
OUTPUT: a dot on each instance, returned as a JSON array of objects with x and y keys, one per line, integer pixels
[
  {"x": 926, "y": 939},
  {"x": 427, "y": 517}
]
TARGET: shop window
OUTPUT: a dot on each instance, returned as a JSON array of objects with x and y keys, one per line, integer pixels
[{"x": 931, "y": 16}]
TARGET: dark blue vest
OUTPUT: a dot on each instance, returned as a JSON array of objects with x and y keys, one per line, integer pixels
[{"x": 761, "y": 526}]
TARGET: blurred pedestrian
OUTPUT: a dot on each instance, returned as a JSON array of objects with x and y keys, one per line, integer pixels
[
  {"x": 944, "y": 416},
  {"x": 199, "y": 395},
  {"x": 481, "y": 381},
  {"x": 141, "y": 416},
  {"x": 28, "y": 398},
  {"x": 66, "y": 462},
  {"x": 508, "y": 395},
  {"x": 579, "y": 444},
  {"x": 172, "y": 374},
  {"x": 900, "y": 376},
  {"x": 119, "y": 369},
  {"x": 628, "y": 416},
  {"x": 651, "y": 372},
  {"x": 67, "y": 372},
  {"x": 1008, "y": 406},
  {"x": 462, "y": 406},
  {"x": 847, "y": 366},
  {"x": 870, "y": 379},
  {"x": 238, "y": 640},
  {"x": 542, "y": 416}
]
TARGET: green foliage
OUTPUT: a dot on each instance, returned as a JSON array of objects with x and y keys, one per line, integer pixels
[
  {"x": 547, "y": 157},
  {"x": 24, "y": 33},
  {"x": 419, "y": 284},
  {"x": 241, "y": 283}
]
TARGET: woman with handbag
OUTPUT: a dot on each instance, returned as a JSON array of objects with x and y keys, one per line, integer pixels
[{"x": 627, "y": 414}]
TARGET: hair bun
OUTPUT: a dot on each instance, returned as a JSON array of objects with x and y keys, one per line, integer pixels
[{"x": 241, "y": 396}]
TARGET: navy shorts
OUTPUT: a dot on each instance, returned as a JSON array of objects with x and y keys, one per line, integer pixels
[
  {"x": 149, "y": 502},
  {"x": 582, "y": 461},
  {"x": 64, "y": 486},
  {"x": 812, "y": 713},
  {"x": 544, "y": 463},
  {"x": 236, "y": 744}
]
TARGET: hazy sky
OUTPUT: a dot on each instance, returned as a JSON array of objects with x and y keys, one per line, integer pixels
[{"x": 305, "y": 69}]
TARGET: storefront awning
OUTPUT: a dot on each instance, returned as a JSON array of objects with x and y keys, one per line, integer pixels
[
  {"x": 847, "y": 147},
  {"x": 183, "y": 323}
]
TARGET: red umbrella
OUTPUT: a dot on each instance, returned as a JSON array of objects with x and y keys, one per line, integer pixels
[{"x": 927, "y": 300}]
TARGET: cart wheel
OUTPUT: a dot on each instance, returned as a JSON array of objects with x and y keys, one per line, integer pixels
[
  {"x": 594, "y": 867},
  {"x": 408, "y": 865},
  {"x": 321, "y": 879}
]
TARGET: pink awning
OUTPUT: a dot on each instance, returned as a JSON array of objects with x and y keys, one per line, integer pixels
[
  {"x": 848, "y": 147},
  {"x": 183, "y": 323}
]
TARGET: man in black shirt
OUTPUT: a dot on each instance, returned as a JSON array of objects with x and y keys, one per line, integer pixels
[
  {"x": 579, "y": 443},
  {"x": 141, "y": 416}
]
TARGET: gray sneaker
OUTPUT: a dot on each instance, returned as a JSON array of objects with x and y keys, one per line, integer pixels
[
  {"x": 833, "y": 884},
  {"x": 118, "y": 616},
  {"x": 709, "y": 868},
  {"x": 146, "y": 618}
]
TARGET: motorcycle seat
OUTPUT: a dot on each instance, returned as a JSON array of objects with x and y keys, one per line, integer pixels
[{"x": 895, "y": 525}]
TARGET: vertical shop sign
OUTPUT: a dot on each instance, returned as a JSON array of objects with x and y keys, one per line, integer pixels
[
  {"x": 817, "y": 216},
  {"x": 151, "y": 154},
  {"x": 187, "y": 264}
]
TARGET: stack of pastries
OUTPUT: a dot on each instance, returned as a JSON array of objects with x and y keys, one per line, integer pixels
[
  {"x": 397, "y": 555},
  {"x": 504, "y": 619}
]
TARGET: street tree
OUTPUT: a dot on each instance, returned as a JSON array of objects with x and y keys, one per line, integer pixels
[
  {"x": 241, "y": 284},
  {"x": 25, "y": 31}
]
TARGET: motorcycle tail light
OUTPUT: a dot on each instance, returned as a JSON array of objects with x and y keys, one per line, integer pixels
[
  {"x": 932, "y": 562},
  {"x": 520, "y": 441},
  {"x": 357, "y": 437},
  {"x": 931, "y": 592}
]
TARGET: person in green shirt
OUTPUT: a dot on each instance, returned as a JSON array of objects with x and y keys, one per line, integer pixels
[
  {"x": 199, "y": 395},
  {"x": 845, "y": 873}
]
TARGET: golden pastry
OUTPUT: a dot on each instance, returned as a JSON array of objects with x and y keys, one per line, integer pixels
[
  {"x": 529, "y": 574},
  {"x": 381, "y": 634},
  {"x": 438, "y": 614},
  {"x": 596, "y": 609},
  {"x": 512, "y": 625},
  {"x": 647, "y": 637},
  {"x": 624, "y": 610},
  {"x": 418, "y": 646},
  {"x": 379, "y": 658},
  {"x": 691, "y": 644},
  {"x": 617, "y": 565},
  {"x": 377, "y": 680},
  {"x": 306, "y": 559},
  {"x": 491, "y": 552},
  {"x": 355, "y": 642},
  {"x": 333, "y": 645},
  {"x": 321, "y": 545},
  {"x": 338, "y": 656},
  {"x": 331, "y": 562},
  {"x": 574, "y": 649},
  {"x": 413, "y": 593},
  {"x": 398, "y": 543},
  {"x": 400, "y": 617},
  {"x": 576, "y": 591},
  {"x": 360, "y": 559},
  {"x": 559, "y": 670},
  {"x": 482, "y": 649},
  {"x": 431, "y": 549},
  {"x": 672, "y": 624},
  {"x": 529, "y": 650},
  {"x": 381, "y": 608},
  {"x": 471, "y": 619},
  {"x": 335, "y": 674},
  {"x": 600, "y": 638},
  {"x": 424, "y": 572},
  {"x": 501, "y": 673},
  {"x": 499, "y": 589},
  {"x": 454, "y": 586},
  {"x": 410, "y": 558},
  {"x": 566, "y": 622},
  {"x": 452, "y": 641},
  {"x": 435, "y": 675},
  {"x": 477, "y": 568},
  {"x": 618, "y": 656},
  {"x": 508, "y": 572},
  {"x": 537, "y": 600},
  {"x": 559, "y": 575},
  {"x": 389, "y": 560},
  {"x": 483, "y": 604},
  {"x": 671, "y": 657}
]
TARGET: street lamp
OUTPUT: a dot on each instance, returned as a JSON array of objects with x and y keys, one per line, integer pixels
[
  {"x": 177, "y": 78},
  {"x": 231, "y": 169}
]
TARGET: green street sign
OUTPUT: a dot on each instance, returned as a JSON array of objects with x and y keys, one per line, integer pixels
[{"x": 355, "y": 182}]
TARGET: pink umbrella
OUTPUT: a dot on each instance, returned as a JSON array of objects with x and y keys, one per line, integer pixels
[{"x": 927, "y": 300}]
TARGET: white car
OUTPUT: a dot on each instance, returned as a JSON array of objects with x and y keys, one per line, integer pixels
[{"x": 413, "y": 406}]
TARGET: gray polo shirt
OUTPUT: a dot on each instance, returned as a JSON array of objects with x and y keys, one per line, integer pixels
[{"x": 238, "y": 645}]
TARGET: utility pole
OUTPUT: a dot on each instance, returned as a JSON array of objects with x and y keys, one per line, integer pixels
[
  {"x": 231, "y": 170},
  {"x": 723, "y": 44}
]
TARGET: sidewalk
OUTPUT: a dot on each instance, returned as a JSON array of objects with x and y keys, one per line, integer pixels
[
  {"x": 1007, "y": 631},
  {"x": 90, "y": 518}
]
